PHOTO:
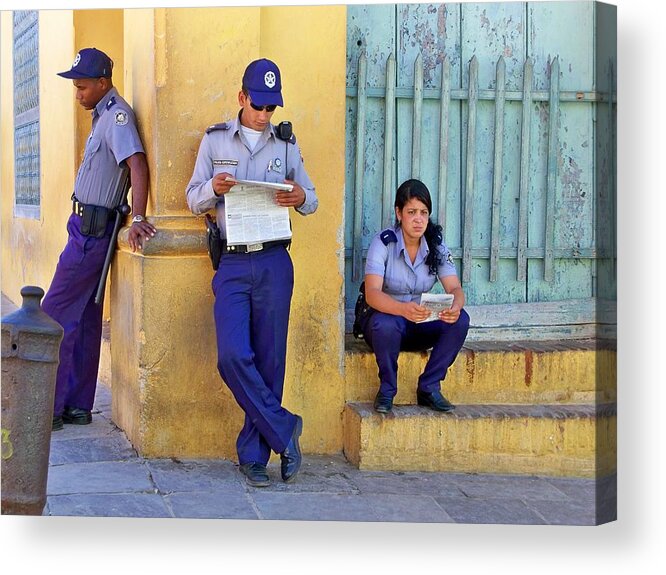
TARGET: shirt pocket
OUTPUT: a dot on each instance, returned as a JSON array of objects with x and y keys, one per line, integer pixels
[
  {"x": 92, "y": 148},
  {"x": 275, "y": 171}
]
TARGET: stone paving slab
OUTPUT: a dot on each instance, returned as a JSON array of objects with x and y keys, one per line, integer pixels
[
  {"x": 109, "y": 505},
  {"x": 348, "y": 507},
  {"x": 211, "y": 505},
  {"x": 568, "y": 512},
  {"x": 100, "y": 427},
  {"x": 318, "y": 474},
  {"x": 510, "y": 487},
  {"x": 99, "y": 477},
  {"x": 173, "y": 476},
  {"x": 408, "y": 483},
  {"x": 314, "y": 506},
  {"x": 114, "y": 447},
  {"x": 489, "y": 510}
]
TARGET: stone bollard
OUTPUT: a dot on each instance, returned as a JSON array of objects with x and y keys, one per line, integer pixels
[{"x": 30, "y": 349}]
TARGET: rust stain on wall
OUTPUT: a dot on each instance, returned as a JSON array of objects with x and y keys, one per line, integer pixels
[{"x": 529, "y": 359}]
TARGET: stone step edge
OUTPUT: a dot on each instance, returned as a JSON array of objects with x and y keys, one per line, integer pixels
[
  {"x": 358, "y": 346},
  {"x": 506, "y": 411}
]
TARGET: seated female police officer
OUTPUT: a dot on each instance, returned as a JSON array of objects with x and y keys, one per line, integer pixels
[{"x": 403, "y": 262}]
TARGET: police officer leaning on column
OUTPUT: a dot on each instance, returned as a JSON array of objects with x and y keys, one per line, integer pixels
[
  {"x": 112, "y": 148},
  {"x": 253, "y": 284}
]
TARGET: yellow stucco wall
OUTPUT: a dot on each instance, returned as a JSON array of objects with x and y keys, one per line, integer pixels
[
  {"x": 181, "y": 78},
  {"x": 64, "y": 127},
  {"x": 314, "y": 94},
  {"x": 39, "y": 241}
]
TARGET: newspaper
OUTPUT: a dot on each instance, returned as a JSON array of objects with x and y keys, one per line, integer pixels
[
  {"x": 435, "y": 303},
  {"x": 252, "y": 214}
]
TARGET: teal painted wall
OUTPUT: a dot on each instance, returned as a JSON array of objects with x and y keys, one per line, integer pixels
[{"x": 580, "y": 150}]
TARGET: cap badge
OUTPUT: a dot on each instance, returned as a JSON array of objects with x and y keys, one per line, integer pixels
[
  {"x": 269, "y": 79},
  {"x": 121, "y": 118},
  {"x": 76, "y": 60}
]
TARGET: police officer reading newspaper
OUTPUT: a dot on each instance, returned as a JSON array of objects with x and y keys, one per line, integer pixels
[
  {"x": 113, "y": 148},
  {"x": 253, "y": 283}
]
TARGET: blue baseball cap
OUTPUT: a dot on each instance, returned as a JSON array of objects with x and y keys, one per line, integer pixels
[
  {"x": 262, "y": 82},
  {"x": 89, "y": 63}
]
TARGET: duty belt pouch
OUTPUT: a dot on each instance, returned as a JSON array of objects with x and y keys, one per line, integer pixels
[
  {"x": 214, "y": 241},
  {"x": 94, "y": 221},
  {"x": 362, "y": 312}
]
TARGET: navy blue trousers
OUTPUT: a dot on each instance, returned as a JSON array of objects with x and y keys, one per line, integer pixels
[
  {"x": 388, "y": 335},
  {"x": 70, "y": 301},
  {"x": 252, "y": 300}
]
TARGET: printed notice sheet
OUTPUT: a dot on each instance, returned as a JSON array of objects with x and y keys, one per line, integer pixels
[
  {"x": 252, "y": 214},
  {"x": 435, "y": 302}
]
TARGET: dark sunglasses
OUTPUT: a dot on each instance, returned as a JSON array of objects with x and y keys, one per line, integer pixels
[{"x": 270, "y": 108}]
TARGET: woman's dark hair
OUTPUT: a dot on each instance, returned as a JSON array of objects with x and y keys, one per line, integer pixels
[{"x": 433, "y": 233}]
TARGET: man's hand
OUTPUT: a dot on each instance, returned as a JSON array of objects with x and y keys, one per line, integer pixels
[
  {"x": 139, "y": 233},
  {"x": 293, "y": 199},
  {"x": 220, "y": 183}
]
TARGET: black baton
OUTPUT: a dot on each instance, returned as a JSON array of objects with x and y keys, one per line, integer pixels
[{"x": 121, "y": 212}]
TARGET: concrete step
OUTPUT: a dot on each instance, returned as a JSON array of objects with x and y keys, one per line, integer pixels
[
  {"x": 557, "y": 440},
  {"x": 529, "y": 373}
]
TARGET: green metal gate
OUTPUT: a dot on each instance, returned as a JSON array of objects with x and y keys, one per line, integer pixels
[{"x": 507, "y": 112}]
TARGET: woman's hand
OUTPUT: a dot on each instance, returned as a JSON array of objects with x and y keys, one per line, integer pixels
[
  {"x": 450, "y": 315},
  {"x": 414, "y": 312}
]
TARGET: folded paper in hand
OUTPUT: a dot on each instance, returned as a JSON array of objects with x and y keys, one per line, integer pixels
[{"x": 435, "y": 303}]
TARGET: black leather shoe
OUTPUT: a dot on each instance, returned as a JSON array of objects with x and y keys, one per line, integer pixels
[
  {"x": 255, "y": 474},
  {"x": 291, "y": 456},
  {"x": 57, "y": 423},
  {"x": 383, "y": 404},
  {"x": 76, "y": 416},
  {"x": 434, "y": 401}
]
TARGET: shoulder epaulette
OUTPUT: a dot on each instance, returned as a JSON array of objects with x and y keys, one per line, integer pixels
[
  {"x": 111, "y": 102},
  {"x": 388, "y": 237},
  {"x": 221, "y": 126}
]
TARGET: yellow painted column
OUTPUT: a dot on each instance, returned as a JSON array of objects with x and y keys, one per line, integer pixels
[{"x": 183, "y": 69}]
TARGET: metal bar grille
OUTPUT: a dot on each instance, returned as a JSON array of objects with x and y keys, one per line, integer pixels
[
  {"x": 470, "y": 168},
  {"x": 444, "y": 141},
  {"x": 520, "y": 250},
  {"x": 26, "y": 108},
  {"x": 497, "y": 173},
  {"x": 357, "y": 262},
  {"x": 389, "y": 123},
  {"x": 553, "y": 116}
]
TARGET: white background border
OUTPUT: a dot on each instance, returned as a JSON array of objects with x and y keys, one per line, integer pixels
[{"x": 633, "y": 544}]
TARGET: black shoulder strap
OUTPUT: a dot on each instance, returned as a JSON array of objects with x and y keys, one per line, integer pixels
[{"x": 388, "y": 237}]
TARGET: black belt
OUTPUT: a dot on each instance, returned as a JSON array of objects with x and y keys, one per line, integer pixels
[
  {"x": 249, "y": 248},
  {"x": 79, "y": 209}
]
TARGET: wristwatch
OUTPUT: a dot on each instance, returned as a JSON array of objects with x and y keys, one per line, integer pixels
[{"x": 138, "y": 219}]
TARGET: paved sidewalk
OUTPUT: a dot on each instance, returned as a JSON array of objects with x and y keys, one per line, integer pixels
[{"x": 94, "y": 471}]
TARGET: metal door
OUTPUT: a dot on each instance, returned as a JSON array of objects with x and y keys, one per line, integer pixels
[{"x": 503, "y": 111}]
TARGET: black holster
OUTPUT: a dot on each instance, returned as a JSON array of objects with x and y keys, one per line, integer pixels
[
  {"x": 362, "y": 313},
  {"x": 214, "y": 241},
  {"x": 94, "y": 220}
]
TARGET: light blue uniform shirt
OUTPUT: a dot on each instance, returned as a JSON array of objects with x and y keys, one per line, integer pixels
[
  {"x": 224, "y": 148},
  {"x": 114, "y": 138},
  {"x": 404, "y": 280}
]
